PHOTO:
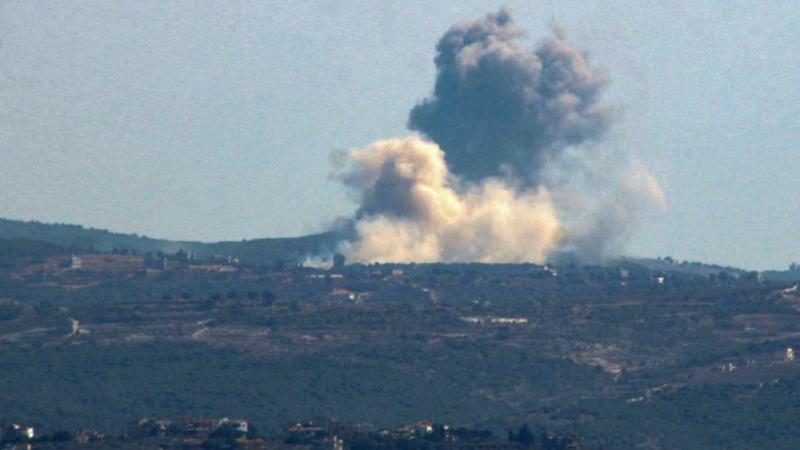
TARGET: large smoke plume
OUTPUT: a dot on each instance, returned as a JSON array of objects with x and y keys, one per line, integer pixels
[
  {"x": 498, "y": 109},
  {"x": 510, "y": 172},
  {"x": 412, "y": 209}
]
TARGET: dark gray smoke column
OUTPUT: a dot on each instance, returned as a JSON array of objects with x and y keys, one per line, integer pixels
[{"x": 498, "y": 108}]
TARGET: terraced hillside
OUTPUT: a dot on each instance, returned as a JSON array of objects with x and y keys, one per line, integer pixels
[{"x": 621, "y": 355}]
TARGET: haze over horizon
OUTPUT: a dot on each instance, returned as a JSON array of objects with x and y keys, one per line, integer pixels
[{"x": 215, "y": 123}]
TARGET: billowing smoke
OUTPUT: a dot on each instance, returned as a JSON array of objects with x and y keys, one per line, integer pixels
[
  {"x": 413, "y": 209},
  {"x": 498, "y": 109},
  {"x": 499, "y": 179}
]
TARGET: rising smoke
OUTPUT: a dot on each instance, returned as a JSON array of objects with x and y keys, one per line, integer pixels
[
  {"x": 499, "y": 110},
  {"x": 413, "y": 209},
  {"x": 498, "y": 178}
]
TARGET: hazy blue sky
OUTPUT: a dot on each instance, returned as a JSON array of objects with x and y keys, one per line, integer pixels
[{"x": 214, "y": 120}]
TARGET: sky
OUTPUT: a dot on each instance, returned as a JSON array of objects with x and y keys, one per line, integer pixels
[{"x": 216, "y": 120}]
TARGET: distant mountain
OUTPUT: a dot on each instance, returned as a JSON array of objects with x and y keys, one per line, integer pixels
[
  {"x": 76, "y": 239},
  {"x": 255, "y": 251}
]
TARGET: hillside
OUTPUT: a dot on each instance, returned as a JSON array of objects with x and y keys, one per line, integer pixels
[
  {"x": 78, "y": 238},
  {"x": 620, "y": 356}
]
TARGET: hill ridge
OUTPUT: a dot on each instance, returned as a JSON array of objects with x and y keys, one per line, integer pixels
[{"x": 254, "y": 251}]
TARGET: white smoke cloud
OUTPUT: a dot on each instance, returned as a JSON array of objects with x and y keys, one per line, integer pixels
[{"x": 414, "y": 209}]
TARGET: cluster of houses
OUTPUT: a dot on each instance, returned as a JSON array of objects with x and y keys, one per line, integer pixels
[
  {"x": 192, "y": 433},
  {"x": 187, "y": 426},
  {"x": 15, "y": 436},
  {"x": 418, "y": 430},
  {"x": 316, "y": 434},
  {"x": 15, "y": 432},
  {"x": 322, "y": 433},
  {"x": 332, "y": 434},
  {"x": 159, "y": 262}
]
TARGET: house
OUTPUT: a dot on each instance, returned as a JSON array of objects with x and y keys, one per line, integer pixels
[
  {"x": 149, "y": 427},
  {"x": 425, "y": 427},
  {"x": 197, "y": 427},
  {"x": 16, "y": 432},
  {"x": 232, "y": 425}
]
